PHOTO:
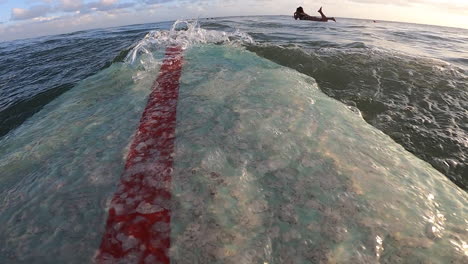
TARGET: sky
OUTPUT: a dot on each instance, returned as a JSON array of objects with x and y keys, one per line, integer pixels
[{"x": 32, "y": 18}]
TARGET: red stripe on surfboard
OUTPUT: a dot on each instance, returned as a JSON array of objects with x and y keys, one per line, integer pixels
[{"x": 138, "y": 226}]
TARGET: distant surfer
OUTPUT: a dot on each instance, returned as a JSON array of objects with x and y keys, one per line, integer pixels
[{"x": 301, "y": 15}]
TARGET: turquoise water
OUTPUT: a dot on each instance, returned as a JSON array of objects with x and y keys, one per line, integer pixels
[{"x": 268, "y": 169}]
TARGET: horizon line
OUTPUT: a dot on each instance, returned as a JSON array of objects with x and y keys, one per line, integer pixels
[{"x": 215, "y": 17}]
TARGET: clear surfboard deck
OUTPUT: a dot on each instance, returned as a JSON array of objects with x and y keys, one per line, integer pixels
[{"x": 267, "y": 169}]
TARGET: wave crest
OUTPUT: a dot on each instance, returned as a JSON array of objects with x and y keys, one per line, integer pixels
[{"x": 185, "y": 34}]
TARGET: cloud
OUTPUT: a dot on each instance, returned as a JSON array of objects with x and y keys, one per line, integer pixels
[
  {"x": 438, "y": 3},
  {"x": 78, "y": 21},
  {"x": 394, "y": 2},
  {"x": 456, "y": 6},
  {"x": 101, "y": 5},
  {"x": 67, "y": 6},
  {"x": 106, "y": 5},
  {"x": 33, "y": 12},
  {"x": 62, "y": 16},
  {"x": 152, "y": 2},
  {"x": 70, "y": 5}
]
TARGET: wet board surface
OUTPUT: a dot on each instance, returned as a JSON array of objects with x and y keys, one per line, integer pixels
[
  {"x": 270, "y": 169},
  {"x": 266, "y": 169}
]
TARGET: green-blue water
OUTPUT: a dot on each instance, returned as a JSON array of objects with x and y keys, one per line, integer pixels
[{"x": 269, "y": 168}]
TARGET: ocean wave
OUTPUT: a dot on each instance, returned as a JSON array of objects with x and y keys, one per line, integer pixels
[{"x": 31, "y": 70}]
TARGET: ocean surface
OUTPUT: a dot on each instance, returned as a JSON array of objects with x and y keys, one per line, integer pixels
[{"x": 297, "y": 141}]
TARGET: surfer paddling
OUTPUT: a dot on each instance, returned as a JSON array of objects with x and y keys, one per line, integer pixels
[{"x": 301, "y": 15}]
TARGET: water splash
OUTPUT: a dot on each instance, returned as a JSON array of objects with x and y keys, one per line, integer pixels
[{"x": 184, "y": 34}]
